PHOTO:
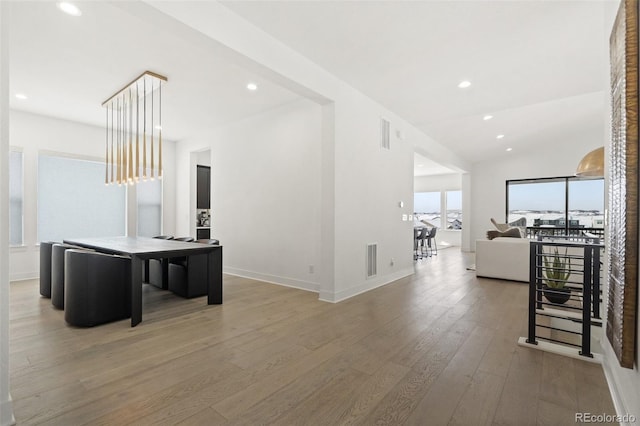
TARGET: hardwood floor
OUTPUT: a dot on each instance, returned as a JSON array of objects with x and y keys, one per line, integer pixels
[{"x": 439, "y": 347}]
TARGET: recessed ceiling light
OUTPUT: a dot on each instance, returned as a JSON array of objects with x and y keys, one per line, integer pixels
[
  {"x": 499, "y": 136},
  {"x": 21, "y": 96},
  {"x": 509, "y": 149},
  {"x": 252, "y": 86},
  {"x": 69, "y": 8},
  {"x": 487, "y": 117},
  {"x": 464, "y": 84}
]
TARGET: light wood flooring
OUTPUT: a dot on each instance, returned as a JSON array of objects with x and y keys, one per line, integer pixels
[{"x": 437, "y": 348}]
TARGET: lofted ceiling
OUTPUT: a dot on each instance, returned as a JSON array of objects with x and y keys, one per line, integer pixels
[{"x": 538, "y": 67}]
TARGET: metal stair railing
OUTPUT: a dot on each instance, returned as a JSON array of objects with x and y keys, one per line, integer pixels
[{"x": 584, "y": 255}]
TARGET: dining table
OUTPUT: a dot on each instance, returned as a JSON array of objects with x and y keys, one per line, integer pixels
[{"x": 139, "y": 249}]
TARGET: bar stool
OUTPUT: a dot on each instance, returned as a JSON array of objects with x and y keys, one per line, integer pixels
[{"x": 431, "y": 242}]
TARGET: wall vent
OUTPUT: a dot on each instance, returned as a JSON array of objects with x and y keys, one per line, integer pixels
[
  {"x": 385, "y": 134},
  {"x": 372, "y": 260}
]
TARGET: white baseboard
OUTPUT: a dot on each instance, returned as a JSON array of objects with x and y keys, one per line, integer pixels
[
  {"x": 274, "y": 279},
  {"x": 369, "y": 285},
  {"x": 616, "y": 395},
  {"x": 6, "y": 413},
  {"x": 23, "y": 276}
]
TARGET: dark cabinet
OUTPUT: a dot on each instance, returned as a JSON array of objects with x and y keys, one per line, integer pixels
[
  {"x": 203, "y": 187},
  {"x": 203, "y": 234}
]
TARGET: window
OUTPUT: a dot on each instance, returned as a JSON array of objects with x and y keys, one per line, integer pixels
[
  {"x": 565, "y": 205},
  {"x": 15, "y": 198},
  {"x": 586, "y": 203},
  {"x": 454, "y": 209},
  {"x": 149, "y": 200},
  {"x": 74, "y": 202},
  {"x": 426, "y": 207},
  {"x": 540, "y": 202}
]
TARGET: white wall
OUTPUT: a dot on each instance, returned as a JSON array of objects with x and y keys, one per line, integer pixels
[
  {"x": 360, "y": 186},
  {"x": 624, "y": 382},
  {"x": 267, "y": 178},
  {"x": 370, "y": 182},
  {"x": 265, "y": 193},
  {"x": 35, "y": 133},
  {"x": 448, "y": 182},
  {"x": 203, "y": 158},
  {"x": 553, "y": 158}
]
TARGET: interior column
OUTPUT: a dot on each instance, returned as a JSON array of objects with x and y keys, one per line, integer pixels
[{"x": 6, "y": 410}]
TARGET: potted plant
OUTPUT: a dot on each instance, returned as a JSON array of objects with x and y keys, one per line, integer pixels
[{"x": 557, "y": 270}]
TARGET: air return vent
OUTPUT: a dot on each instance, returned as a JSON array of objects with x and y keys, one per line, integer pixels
[
  {"x": 372, "y": 260},
  {"x": 385, "y": 133}
]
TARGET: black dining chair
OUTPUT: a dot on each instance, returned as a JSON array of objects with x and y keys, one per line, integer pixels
[
  {"x": 45, "y": 268},
  {"x": 181, "y": 259},
  {"x": 431, "y": 242},
  {"x": 98, "y": 288},
  {"x": 191, "y": 278},
  {"x": 211, "y": 241},
  {"x": 58, "y": 272},
  {"x": 153, "y": 268}
]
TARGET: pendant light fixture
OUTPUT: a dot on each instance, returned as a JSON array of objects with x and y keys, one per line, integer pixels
[
  {"x": 123, "y": 123},
  {"x": 592, "y": 164}
]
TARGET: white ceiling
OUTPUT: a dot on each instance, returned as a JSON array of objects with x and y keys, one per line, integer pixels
[
  {"x": 539, "y": 67},
  {"x": 423, "y": 166},
  {"x": 67, "y": 66}
]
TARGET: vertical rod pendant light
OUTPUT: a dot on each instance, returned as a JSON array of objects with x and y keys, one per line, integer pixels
[
  {"x": 122, "y": 161},
  {"x": 152, "y": 130},
  {"x": 137, "y": 176},
  {"x": 160, "y": 133},
  {"x": 123, "y": 112},
  {"x": 106, "y": 152},
  {"x": 144, "y": 130},
  {"x": 118, "y": 168},
  {"x": 130, "y": 138},
  {"x": 112, "y": 158}
]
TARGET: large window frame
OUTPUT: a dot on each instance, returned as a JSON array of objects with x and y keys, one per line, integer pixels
[
  {"x": 443, "y": 208},
  {"x": 567, "y": 229},
  {"x": 80, "y": 211},
  {"x": 458, "y": 222},
  {"x": 142, "y": 202}
]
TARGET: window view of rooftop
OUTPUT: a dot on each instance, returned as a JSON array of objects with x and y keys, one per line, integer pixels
[
  {"x": 428, "y": 206},
  {"x": 569, "y": 205}
]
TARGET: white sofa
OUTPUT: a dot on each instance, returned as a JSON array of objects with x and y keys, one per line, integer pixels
[{"x": 504, "y": 258}]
